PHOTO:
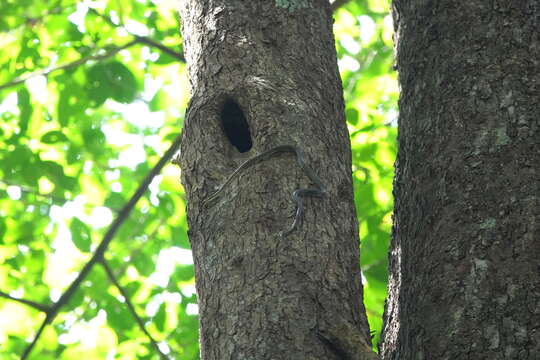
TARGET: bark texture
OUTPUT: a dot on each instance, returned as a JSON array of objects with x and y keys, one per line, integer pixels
[
  {"x": 272, "y": 66},
  {"x": 465, "y": 275}
]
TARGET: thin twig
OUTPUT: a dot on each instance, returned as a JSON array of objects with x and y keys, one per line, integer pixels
[
  {"x": 30, "y": 303},
  {"x": 131, "y": 307},
  {"x": 72, "y": 64},
  {"x": 163, "y": 48},
  {"x": 106, "y": 18},
  {"x": 143, "y": 39},
  {"x": 113, "y": 228}
]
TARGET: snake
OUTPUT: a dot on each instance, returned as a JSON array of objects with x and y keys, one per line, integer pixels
[{"x": 297, "y": 195}]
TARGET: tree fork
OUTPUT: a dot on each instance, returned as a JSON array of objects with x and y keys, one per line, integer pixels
[{"x": 264, "y": 74}]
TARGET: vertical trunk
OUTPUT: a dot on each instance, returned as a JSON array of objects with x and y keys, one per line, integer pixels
[
  {"x": 263, "y": 75},
  {"x": 465, "y": 281}
]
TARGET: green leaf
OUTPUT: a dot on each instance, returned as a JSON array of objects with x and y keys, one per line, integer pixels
[
  {"x": 159, "y": 318},
  {"x": 144, "y": 265},
  {"x": 111, "y": 80},
  {"x": 117, "y": 314},
  {"x": 115, "y": 200},
  {"x": 3, "y": 228},
  {"x": 80, "y": 235},
  {"x": 352, "y": 115},
  {"x": 53, "y": 137},
  {"x": 73, "y": 153},
  {"x": 180, "y": 237},
  {"x": 55, "y": 173},
  {"x": 157, "y": 101},
  {"x": 94, "y": 139},
  {"x": 72, "y": 101},
  {"x": 18, "y": 165},
  {"x": 97, "y": 284},
  {"x": 183, "y": 273},
  {"x": 62, "y": 29},
  {"x": 165, "y": 59},
  {"x": 34, "y": 263},
  {"x": 25, "y": 109}
]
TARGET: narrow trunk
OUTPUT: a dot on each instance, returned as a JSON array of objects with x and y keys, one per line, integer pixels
[
  {"x": 465, "y": 280},
  {"x": 265, "y": 86}
]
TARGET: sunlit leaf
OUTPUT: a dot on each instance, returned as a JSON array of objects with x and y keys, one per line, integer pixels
[
  {"x": 143, "y": 265},
  {"x": 159, "y": 318},
  {"x": 111, "y": 80},
  {"x": 80, "y": 235},
  {"x": 352, "y": 115},
  {"x": 53, "y": 137},
  {"x": 25, "y": 109},
  {"x": 117, "y": 314}
]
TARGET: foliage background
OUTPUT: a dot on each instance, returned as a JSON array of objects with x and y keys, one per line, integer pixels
[{"x": 92, "y": 93}]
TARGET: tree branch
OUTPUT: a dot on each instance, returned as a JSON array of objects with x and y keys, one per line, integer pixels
[
  {"x": 131, "y": 308},
  {"x": 163, "y": 48},
  {"x": 29, "y": 348},
  {"x": 137, "y": 39},
  {"x": 143, "y": 39},
  {"x": 114, "y": 51},
  {"x": 32, "y": 304},
  {"x": 102, "y": 247},
  {"x": 106, "y": 18}
]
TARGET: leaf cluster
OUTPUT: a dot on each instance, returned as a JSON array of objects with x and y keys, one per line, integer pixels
[
  {"x": 85, "y": 114},
  {"x": 363, "y": 32}
]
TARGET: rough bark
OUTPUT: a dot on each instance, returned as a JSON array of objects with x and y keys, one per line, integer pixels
[
  {"x": 465, "y": 279},
  {"x": 270, "y": 65}
]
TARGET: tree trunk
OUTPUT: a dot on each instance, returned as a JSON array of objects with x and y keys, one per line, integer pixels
[
  {"x": 264, "y": 80},
  {"x": 465, "y": 279}
]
